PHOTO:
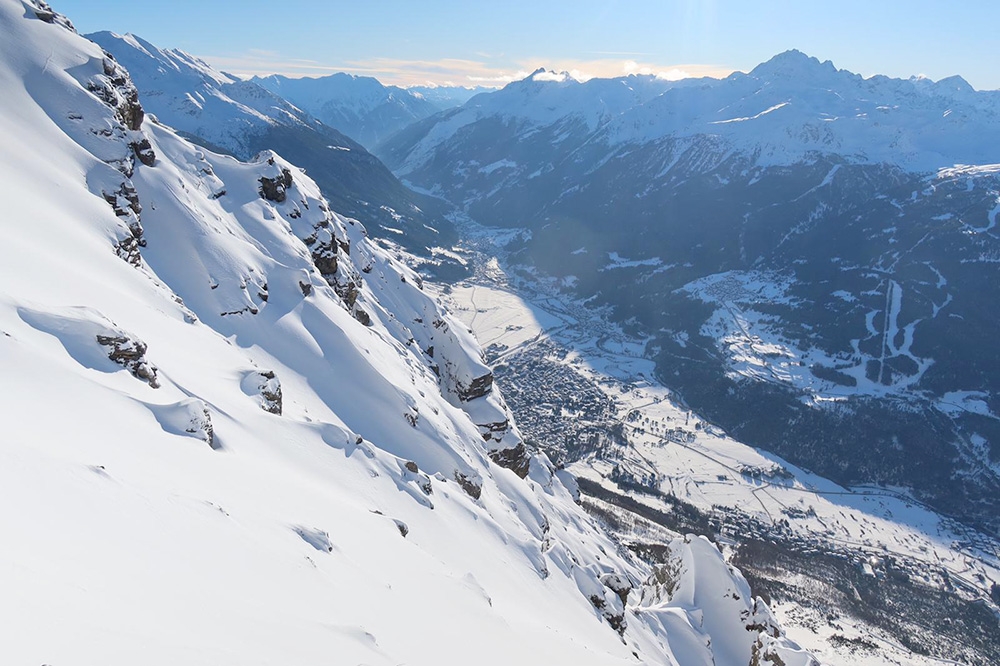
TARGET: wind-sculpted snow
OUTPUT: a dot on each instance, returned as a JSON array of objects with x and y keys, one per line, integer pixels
[{"x": 236, "y": 446}]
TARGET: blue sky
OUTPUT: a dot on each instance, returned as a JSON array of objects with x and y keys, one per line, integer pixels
[{"x": 490, "y": 43}]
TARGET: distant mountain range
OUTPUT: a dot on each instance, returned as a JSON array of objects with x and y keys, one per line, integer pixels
[
  {"x": 363, "y": 108},
  {"x": 812, "y": 255}
]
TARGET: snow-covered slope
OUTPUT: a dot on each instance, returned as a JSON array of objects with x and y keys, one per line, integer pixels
[
  {"x": 242, "y": 118},
  {"x": 227, "y": 440},
  {"x": 360, "y": 106}
]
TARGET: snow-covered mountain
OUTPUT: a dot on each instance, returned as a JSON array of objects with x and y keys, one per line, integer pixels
[
  {"x": 360, "y": 106},
  {"x": 791, "y": 108},
  {"x": 816, "y": 252},
  {"x": 237, "y": 431},
  {"x": 225, "y": 113},
  {"x": 446, "y": 97}
]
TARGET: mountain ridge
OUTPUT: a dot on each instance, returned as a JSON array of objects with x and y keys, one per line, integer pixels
[{"x": 224, "y": 112}]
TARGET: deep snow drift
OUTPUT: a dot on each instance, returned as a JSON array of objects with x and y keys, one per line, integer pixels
[{"x": 236, "y": 432}]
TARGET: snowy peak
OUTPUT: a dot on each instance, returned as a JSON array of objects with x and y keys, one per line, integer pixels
[
  {"x": 190, "y": 95},
  {"x": 179, "y": 62},
  {"x": 955, "y": 85},
  {"x": 543, "y": 75},
  {"x": 793, "y": 64}
]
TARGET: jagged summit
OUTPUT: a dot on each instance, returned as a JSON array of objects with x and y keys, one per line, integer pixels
[{"x": 791, "y": 64}]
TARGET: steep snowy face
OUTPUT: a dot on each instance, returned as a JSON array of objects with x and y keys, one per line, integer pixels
[
  {"x": 236, "y": 431},
  {"x": 189, "y": 95},
  {"x": 242, "y": 118}
]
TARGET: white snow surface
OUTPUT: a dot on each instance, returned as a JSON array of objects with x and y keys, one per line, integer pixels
[{"x": 156, "y": 514}]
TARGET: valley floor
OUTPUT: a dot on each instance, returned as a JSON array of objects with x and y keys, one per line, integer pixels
[{"x": 584, "y": 392}]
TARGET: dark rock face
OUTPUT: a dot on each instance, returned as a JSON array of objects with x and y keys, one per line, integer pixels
[
  {"x": 515, "y": 459},
  {"x": 144, "y": 151},
  {"x": 116, "y": 90},
  {"x": 131, "y": 355},
  {"x": 125, "y": 202},
  {"x": 325, "y": 247},
  {"x": 273, "y": 189},
  {"x": 471, "y": 488},
  {"x": 477, "y": 388}
]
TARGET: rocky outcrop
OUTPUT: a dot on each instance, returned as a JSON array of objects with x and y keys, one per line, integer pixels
[
  {"x": 515, "y": 459},
  {"x": 270, "y": 392},
  {"x": 619, "y": 584},
  {"x": 116, "y": 90},
  {"x": 45, "y": 13},
  {"x": 125, "y": 203},
  {"x": 326, "y": 246},
  {"x": 144, "y": 151},
  {"x": 200, "y": 426},
  {"x": 131, "y": 355},
  {"x": 273, "y": 188},
  {"x": 613, "y": 616},
  {"x": 477, "y": 388},
  {"x": 469, "y": 485}
]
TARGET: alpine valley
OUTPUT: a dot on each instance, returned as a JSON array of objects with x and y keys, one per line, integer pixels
[{"x": 737, "y": 407}]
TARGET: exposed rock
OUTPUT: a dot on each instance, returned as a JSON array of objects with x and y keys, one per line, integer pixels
[
  {"x": 411, "y": 466},
  {"x": 201, "y": 426},
  {"x": 471, "y": 488},
  {"x": 362, "y": 316},
  {"x": 325, "y": 259},
  {"x": 130, "y": 354},
  {"x": 515, "y": 459},
  {"x": 401, "y": 526},
  {"x": 618, "y": 584},
  {"x": 45, "y": 13},
  {"x": 270, "y": 392},
  {"x": 116, "y": 90},
  {"x": 305, "y": 287},
  {"x": 144, "y": 151},
  {"x": 273, "y": 189},
  {"x": 477, "y": 388},
  {"x": 615, "y": 619}
]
